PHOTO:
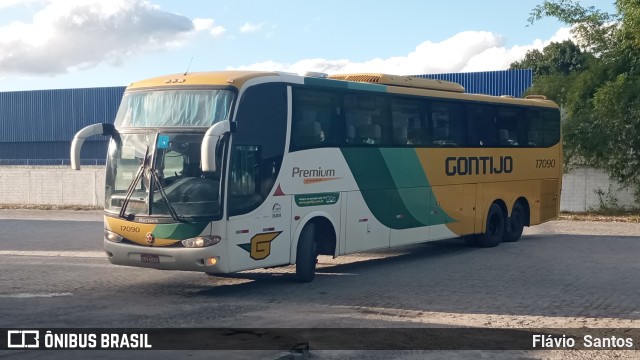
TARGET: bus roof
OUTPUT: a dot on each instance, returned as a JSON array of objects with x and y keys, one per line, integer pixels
[
  {"x": 401, "y": 80},
  {"x": 394, "y": 84},
  {"x": 228, "y": 78}
]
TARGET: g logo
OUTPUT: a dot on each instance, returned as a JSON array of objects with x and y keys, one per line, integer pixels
[{"x": 261, "y": 245}]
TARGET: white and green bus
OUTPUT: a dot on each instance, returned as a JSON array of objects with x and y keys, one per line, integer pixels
[{"x": 221, "y": 172}]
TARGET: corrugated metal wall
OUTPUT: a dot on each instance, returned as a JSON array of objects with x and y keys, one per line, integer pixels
[
  {"x": 507, "y": 82},
  {"x": 36, "y": 127}
]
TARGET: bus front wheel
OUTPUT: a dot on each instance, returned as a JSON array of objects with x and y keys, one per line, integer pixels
[
  {"x": 494, "y": 231},
  {"x": 307, "y": 254}
]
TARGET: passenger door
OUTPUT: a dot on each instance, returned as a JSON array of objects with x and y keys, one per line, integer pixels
[{"x": 259, "y": 217}]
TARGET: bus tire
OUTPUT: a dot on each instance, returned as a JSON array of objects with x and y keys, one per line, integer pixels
[
  {"x": 307, "y": 255},
  {"x": 494, "y": 231},
  {"x": 515, "y": 225}
]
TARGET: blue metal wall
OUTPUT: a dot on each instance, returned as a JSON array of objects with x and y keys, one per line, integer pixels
[
  {"x": 507, "y": 82},
  {"x": 36, "y": 127}
]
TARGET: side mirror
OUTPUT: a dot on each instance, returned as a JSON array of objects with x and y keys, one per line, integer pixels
[
  {"x": 91, "y": 130},
  {"x": 210, "y": 144}
]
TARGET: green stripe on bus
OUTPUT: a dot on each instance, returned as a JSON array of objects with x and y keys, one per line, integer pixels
[
  {"x": 369, "y": 168},
  {"x": 394, "y": 186},
  {"x": 178, "y": 231},
  {"x": 412, "y": 183},
  {"x": 405, "y": 167},
  {"x": 326, "y": 82},
  {"x": 367, "y": 87},
  {"x": 378, "y": 188}
]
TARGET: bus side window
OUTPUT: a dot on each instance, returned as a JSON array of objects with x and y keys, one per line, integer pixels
[
  {"x": 544, "y": 127},
  {"x": 405, "y": 122},
  {"x": 369, "y": 134},
  {"x": 449, "y": 126},
  {"x": 417, "y": 134},
  {"x": 308, "y": 131},
  {"x": 483, "y": 122},
  {"x": 534, "y": 133},
  {"x": 367, "y": 116},
  {"x": 509, "y": 124},
  {"x": 315, "y": 114}
]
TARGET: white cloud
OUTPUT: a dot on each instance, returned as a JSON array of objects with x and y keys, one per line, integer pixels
[
  {"x": 12, "y": 3},
  {"x": 76, "y": 34},
  {"x": 463, "y": 52},
  {"x": 250, "y": 27},
  {"x": 209, "y": 26}
]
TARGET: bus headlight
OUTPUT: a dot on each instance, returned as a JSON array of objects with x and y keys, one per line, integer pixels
[
  {"x": 201, "y": 241},
  {"x": 113, "y": 237}
]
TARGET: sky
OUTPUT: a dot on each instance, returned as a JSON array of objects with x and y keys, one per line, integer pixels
[{"x": 59, "y": 44}]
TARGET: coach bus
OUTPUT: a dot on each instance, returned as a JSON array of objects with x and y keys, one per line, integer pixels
[{"x": 227, "y": 171}]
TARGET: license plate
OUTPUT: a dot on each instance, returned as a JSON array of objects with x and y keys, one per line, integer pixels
[{"x": 150, "y": 258}]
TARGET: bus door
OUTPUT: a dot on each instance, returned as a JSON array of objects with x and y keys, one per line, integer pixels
[{"x": 259, "y": 218}]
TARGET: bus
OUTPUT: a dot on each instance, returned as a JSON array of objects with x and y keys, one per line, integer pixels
[{"x": 221, "y": 172}]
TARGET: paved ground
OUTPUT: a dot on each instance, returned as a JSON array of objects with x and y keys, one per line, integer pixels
[{"x": 560, "y": 275}]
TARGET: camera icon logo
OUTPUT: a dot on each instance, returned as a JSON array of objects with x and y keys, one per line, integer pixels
[{"x": 23, "y": 339}]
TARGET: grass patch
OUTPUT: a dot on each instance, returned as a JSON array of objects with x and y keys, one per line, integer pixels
[{"x": 607, "y": 215}]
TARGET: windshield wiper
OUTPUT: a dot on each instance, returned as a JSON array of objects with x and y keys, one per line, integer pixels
[
  {"x": 132, "y": 187},
  {"x": 172, "y": 210}
]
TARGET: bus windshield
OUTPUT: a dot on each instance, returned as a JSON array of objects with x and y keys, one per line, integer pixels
[
  {"x": 159, "y": 174},
  {"x": 172, "y": 108}
]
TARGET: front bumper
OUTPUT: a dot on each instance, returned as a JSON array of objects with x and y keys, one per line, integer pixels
[{"x": 169, "y": 258}]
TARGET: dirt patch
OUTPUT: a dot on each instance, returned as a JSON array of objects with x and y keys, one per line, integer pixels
[{"x": 603, "y": 216}]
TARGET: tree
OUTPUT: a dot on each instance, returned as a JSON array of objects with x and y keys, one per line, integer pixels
[
  {"x": 554, "y": 68},
  {"x": 556, "y": 58},
  {"x": 595, "y": 29},
  {"x": 602, "y": 101}
]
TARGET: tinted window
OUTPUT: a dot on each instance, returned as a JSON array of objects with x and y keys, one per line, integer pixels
[
  {"x": 407, "y": 122},
  {"x": 449, "y": 125},
  {"x": 544, "y": 127},
  {"x": 511, "y": 127},
  {"x": 315, "y": 116},
  {"x": 483, "y": 125},
  {"x": 338, "y": 118},
  {"x": 367, "y": 119},
  {"x": 258, "y": 146}
]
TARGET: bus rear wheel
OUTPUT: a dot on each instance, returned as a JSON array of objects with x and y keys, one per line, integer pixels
[
  {"x": 307, "y": 254},
  {"x": 515, "y": 224},
  {"x": 495, "y": 228}
]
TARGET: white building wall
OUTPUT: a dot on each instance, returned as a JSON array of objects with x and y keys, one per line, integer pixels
[
  {"x": 587, "y": 188},
  {"x": 52, "y": 185}
]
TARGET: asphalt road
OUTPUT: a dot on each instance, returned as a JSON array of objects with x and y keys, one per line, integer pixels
[{"x": 562, "y": 274}]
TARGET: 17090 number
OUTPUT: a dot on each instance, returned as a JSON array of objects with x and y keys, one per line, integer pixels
[{"x": 545, "y": 163}]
